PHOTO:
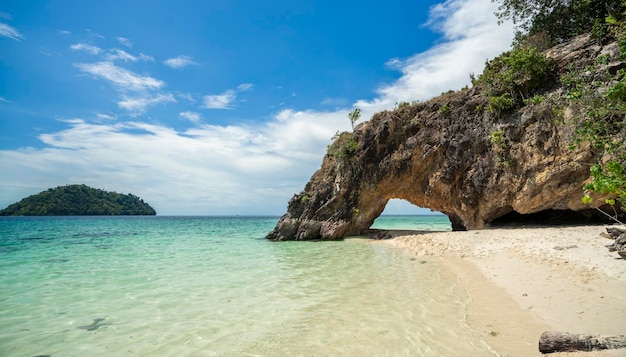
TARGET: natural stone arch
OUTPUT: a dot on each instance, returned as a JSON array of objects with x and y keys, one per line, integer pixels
[
  {"x": 444, "y": 163},
  {"x": 441, "y": 155}
]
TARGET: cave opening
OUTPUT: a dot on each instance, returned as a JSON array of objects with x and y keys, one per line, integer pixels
[
  {"x": 553, "y": 217},
  {"x": 400, "y": 214}
]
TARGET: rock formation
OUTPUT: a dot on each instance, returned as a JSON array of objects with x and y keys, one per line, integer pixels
[{"x": 451, "y": 155}]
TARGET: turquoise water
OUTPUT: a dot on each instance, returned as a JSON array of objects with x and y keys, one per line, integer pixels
[
  {"x": 416, "y": 223},
  {"x": 213, "y": 286}
]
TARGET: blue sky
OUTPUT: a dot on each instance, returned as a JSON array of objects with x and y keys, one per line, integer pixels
[{"x": 215, "y": 107}]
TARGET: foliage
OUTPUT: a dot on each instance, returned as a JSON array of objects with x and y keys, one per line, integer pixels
[
  {"x": 497, "y": 138},
  {"x": 444, "y": 109},
  {"x": 608, "y": 179},
  {"x": 343, "y": 146},
  {"x": 510, "y": 78},
  {"x": 601, "y": 116},
  {"x": 561, "y": 19},
  {"x": 400, "y": 105},
  {"x": 354, "y": 116},
  {"x": 78, "y": 200},
  {"x": 500, "y": 103},
  {"x": 536, "y": 99},
  {"x": 601, "y": 123}
]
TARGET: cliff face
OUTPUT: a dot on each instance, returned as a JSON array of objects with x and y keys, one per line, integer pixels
[{"x": 451, "y": 155}]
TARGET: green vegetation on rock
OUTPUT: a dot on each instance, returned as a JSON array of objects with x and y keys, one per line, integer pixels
[
  {"x": 78, "y": 200},
  {"x": 599, "y": 111},
  {"x": 511, "y": 78}
]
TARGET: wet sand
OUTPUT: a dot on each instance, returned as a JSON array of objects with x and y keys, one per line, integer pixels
[{"x": 527, "y": 280}]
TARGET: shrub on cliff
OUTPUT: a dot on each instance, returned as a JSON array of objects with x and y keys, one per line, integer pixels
[
  {"x": 512, "y": 77},
  {"x": 343, "y": 146}
]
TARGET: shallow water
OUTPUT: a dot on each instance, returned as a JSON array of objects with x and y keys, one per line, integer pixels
[{"x": 213, "y": 286}]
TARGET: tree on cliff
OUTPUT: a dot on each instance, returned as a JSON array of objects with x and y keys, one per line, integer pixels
[
  {"x": 561, "y": 19},
  {"x": 78, "y": 200}
]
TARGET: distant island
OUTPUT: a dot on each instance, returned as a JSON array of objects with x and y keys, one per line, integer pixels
[{"x": 79, "y": 200}]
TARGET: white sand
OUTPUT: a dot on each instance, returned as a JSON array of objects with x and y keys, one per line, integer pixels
[{"x": 524, "y": 281}]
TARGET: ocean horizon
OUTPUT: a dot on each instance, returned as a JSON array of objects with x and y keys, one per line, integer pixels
[{"x": 214, "y": 286}]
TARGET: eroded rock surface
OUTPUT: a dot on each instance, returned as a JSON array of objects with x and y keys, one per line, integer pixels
[{"x": 441, "y": 155}]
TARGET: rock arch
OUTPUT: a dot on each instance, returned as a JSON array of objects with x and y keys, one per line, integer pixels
[
  {"x": 444, "y": 163},
  {"x": 441, "y": 155}
]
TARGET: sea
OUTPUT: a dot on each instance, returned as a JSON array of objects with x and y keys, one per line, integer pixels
[{"x": 214, "y": 286}]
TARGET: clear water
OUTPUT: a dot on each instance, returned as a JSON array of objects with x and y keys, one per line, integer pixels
[
  {"x": 416, "y": 223},
  {"x": 209, "y": 286}
]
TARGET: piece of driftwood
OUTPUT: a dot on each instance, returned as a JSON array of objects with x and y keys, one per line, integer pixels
[
  {"x": 554, "y": 341},
  {"x": 619, "y": 240}
]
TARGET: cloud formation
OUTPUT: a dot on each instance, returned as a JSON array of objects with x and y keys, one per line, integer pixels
[
  {"x": 191, "y": 116},
  {"x": 220, "y": 101},
  {"x": 117, "y": 54},
  {"x": 91, "y": 49},
  {"x": 470, "y": 37},
  {"x": 138, "y": 105},
  {"x": 120, "y": 77},
  {"x": 10, "y": 32},
  {"x": 225, "y": 100},
  {"x": 125, "y": 42},
  {"x": 208, "y": 169},
  {"x": 179, "y": 62}
]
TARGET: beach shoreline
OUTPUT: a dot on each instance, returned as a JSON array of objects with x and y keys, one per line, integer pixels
[{"x": 526, "y": 280}]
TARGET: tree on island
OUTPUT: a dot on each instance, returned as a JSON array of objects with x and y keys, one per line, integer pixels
[{"x": 78, "y": 200}]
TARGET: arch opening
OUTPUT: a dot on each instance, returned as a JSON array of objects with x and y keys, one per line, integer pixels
[{"x": 402, "y": 215}]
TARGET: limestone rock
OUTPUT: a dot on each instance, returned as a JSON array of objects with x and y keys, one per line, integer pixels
[{"x": 440, "y": 155}]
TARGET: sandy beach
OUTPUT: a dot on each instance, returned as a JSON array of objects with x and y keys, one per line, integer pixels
[{"x": 527, "y": 280}]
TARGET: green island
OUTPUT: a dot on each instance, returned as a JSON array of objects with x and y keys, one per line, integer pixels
[{"x": 79, "y": 200}]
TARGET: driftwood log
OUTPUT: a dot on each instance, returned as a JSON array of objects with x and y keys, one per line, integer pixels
[
  {"x": 553, "y": 341},
  {"x": 619, "y": 240}
]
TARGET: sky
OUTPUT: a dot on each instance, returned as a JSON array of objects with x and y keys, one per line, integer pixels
[{"x": 222, "y": 107}]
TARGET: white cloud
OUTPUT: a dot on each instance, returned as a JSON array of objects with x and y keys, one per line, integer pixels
[
  {"x": 63, "y": 32},
  {"x": 125, "y": 42},
  {"x": 117, "y": 54},
  {"x": 191, "y": 116},
  {"x": 91, "y": 49},
  {"x": 245, "y": 87},
  {"x": 146, "y": 58},
  {"x": 220, "y": 101},
  {"x": 106, "y": 116},
  {"x": 138, "y": 105},
  {"x": 225, "y": 100},
  {"x": 471, "y": 35},
  {"x": 179, "y": 62},
  {"x": 120, "y": 77},
  {"x": 206, "y": 170},
  {"x": 10, "y": 32},
  {"x": 4, "y": 100}
]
